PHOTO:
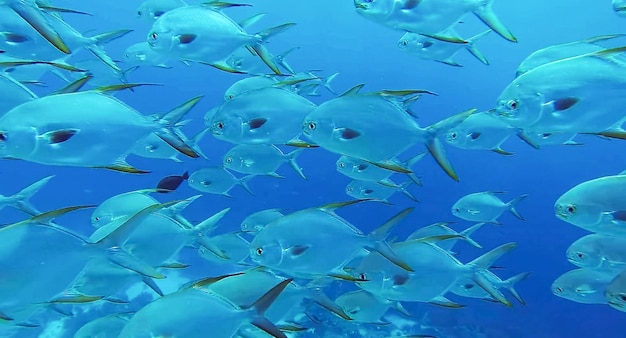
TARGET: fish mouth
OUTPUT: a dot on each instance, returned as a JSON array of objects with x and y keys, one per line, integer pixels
[
  {"x": 620, "y": 9},
  {"x": 616, "y": 304},
  {"x": 358, "y": 5}
]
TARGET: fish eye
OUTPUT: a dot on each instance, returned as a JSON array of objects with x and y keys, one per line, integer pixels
[
  {"x": 259, "y": 251},
  {"x": 139, "y": 13},
  {"x": 622, "y": 297},
  {"x": 457, "y": 210},
  {"x": 230, "y": 96},
  {"x": 362, "y": 276},
  {"x": 350, "y": 189},
  {"x": 311, "y": 125},
  {"x": 97, "y": 219},
  {"x": 220, "y": 125},
  {"x": 580, "y": 254},
  {"x": 558, "y": 289},
  {"x": 512, "y": 104},
  {"x": 571, "y": 209},
  {"x": 342, "y": 165},
  {"x": 453, "y": 136},
  {"x": 229, "y": 159},
  {"x": 3, "y": 136},
  {"x": 154, "y": 36}
]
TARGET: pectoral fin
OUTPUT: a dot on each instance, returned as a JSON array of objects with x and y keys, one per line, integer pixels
[{"x": 256, "y": 123}]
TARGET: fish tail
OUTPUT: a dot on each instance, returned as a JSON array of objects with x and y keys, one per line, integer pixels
[
  {"x": 244, "y": 183},
  {"x": 175, "y": 211},
  {"x": 469, "y": 231},
  {"x": 379, "y": 235},
  {"x": 471, "y": 46},
  {"x": 210, "y": 223},
  {"x": 410, "y": 163},
  {"x": 483, "y": 263},
  {"x": 262, "y": 52},
  {"x": 402, "y": 187},
  {"x": 280, "y": 59},
  {"x": 292, "y": 161},
  {"x": 511, "y": 206},
  {"x": 486, "y": 14},
  {"x": 262, "y": 304},
  {"x": 22, "y": 198},
  {"x": 327, "y": 82},
  {"x": 511, "y": 285}
]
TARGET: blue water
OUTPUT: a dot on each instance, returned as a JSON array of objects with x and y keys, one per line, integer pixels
[{"x": 333, "y": 38}]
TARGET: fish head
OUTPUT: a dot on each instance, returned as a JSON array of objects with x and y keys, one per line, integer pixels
[
  {"x": 136, "y": 54},
  {"x": 348, "y": 165},
  {"x": 162, "y": 40},
  {"x": 20, "y": 141},
  {"x": 417, "y": 43},
  {"x": 577, "y": 211},
  {"x": 461, "y": 210},
  {"x": 585, "y": 253},
  {"x": 457, "y": 136},
  {"x": 619, "y": 6},
  {"x": 267, "y": 253},
  {"x": 227, "y": 127},
  {"x": 617, "y": 300},
  {"x": 519, "y": 105},
  {"x": 318, "y": 129},
  {"x": 150, "y": 11},
  {"x": 375, "y": 10}
]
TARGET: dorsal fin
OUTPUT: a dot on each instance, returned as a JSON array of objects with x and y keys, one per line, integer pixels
[
  {"x": 353, "y": 91},
  {"x": 74, "y": 86}
]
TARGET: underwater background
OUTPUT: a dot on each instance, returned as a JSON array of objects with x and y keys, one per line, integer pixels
[{"x": 333, "y": 38}]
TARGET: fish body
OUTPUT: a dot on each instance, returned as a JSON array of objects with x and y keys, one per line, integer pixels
[
  {"x": 480, "y": 131},
  {"x": 141, "y": 54},
  {"x": 600, "y": 252},
  {"x": 484, "y": 207},
  {"x": 108, "y": 326},
  {"x": 429, "y": 48},
  {"x": 255, "y": 222},
  {"x": 582, "y": 286},
  {"x": 260, "y": 159},
  {"x": 377, "y": 191},
  {"x": 596, "y": 205},
  {"x": 216, "y": 180},
  {"x": 263, "y": 116}
]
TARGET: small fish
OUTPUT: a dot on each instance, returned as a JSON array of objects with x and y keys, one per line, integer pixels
[
  {"x": 582, "y": 286},
  {"x": 485, "y": 207},
  {"x": 481, "y": 131},
  {"x": 217, "y": 180},
  {"x": 260, "y": 159},
  {"x": 599, "y": 252},
  {"x": 362, "y": 170},
  {"x": 378, "y": 191},
  {"x": 21, "y": 199},
  {"x": 442, "y": 229},
  {"x": 255, "y": 222},
  {"x": 171, "y": 183}
]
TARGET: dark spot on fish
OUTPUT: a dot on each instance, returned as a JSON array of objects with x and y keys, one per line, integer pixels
[
  {"x": 353, "y": 311},
  {"x": 362, "y": 167},
  {"x": 16, "y": 38},
  {"x": 368, "y": 191},
  {"x": 206, "y": 183},
  {"x": 619, "y": 215},
  {"x": 468, "y": 286},
  {"x": 186, "y": 38},
  {"x": 61, "y": 136},
  {"x": 257, "y": 123},
  {"x": 400, "y": 279},
  {"x": 622, "y": 297},
  {"x": 298, "y": 250},
  {"x": 171, "y": 183},
  {"x": 564, "y": 103},
  {"x": 410, "y": 4},
  {"x": 349, "y": 134},
  {"x": 427, "y": 44},
  {"x": 474, "y": 135},
  {"x": 9, "y": 70},
  {"x": 158, "y": 14}
]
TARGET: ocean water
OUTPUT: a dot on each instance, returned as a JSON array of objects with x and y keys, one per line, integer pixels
[{"x": 333, "y": 38}]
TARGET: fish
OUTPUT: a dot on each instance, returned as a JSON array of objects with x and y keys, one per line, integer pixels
[
  {"x": 151, "y": 10},
  {"x": 582, "y": 286},
  {"x": 481, "y": 131},
  {"x": 559, "y": 97},
  {"x": 234, "y": 249},
  {"x": 217, "y": 180},
  {"x": 183, "y": 34},
  {"x": 21, "y": 199},
  {"x": 429, "y": 48},
  {"x": 562, "y": 51},
  {"x": 108, "y": 326},
  {"x": 248, "y": 84},
  {"x": 599, "y": 252},
  {"x": 193, "y": 312},
  {"x": 619, "y": 7},
  {"x": 429, "y": 16},
  {"x": 485, "y": 207},
  {"x": 365, "y": 171},
  {"x": 377, "y": 127},
  {"x": 242, "y": 61},
  {"x": 141, "y": 54},
  {"x": 256, "y": 221},
  {"x": 468, "y": 288},
  {"x": 307, "y": 83},
  {"x": 596, "y": 205},
  {"x": 377, "y": 191},
  {"x": 153, "y": 146},
  {"x": 171, "y": 183},
  {"x": 364, "y": 307},
  {"x": 263, "y": 116},
  {"x": 62, "y": 130},
  {"x": 615, "y": 293},
  {"x": 260, "y": 159},
  {"x": 311, "y": 251},
  {"x": 442, "y": 229},
  {"x": 437, "y": 271}
]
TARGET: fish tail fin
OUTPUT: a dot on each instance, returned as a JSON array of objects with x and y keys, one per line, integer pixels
[
  {"x": 291, "y": 157},
  {"x": 435, "y": 147},
  {"x": 244, "y": 183},
  {"x": 149, "y": 282},
  {"x": 488, "y": 286},
  {"x": 483, "y": 263},
  {"x": 210, "y": 223},
  {"x": 175, "y": 211},
  {"x": 511, "y": 285},
  {"x": 107, "y": 37},
  {"x": 410, "y": 163},
  {"x": 486, "y": 14},
  {"x": 471, "y": 46},
  {"x": 22, "y": 198},
  {"x": 281, "y": 60},
  {"x": 268, "y": 33},
  {"x": 36, "y": 19},
  {"x": 168, "y": 129},
  {"x": 262, "y": 304},
  {"x": 327, "y": 82},
  {"x": 402, "y": 187},
  {"x": 246, "y": 23},
  {"x": 262, "y": 52},
  {"x": 469, "y": 231},
  {"x": 172, "y": 117},
  {"x": 94, "y": 45},
  {"x": 511, "y": 206},
  {"x": 379, "y": 235}
]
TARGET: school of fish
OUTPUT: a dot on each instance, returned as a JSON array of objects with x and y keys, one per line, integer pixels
[{"x": 285, "y": 261}]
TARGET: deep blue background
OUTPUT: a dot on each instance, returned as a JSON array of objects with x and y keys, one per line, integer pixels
[{"x": 334, "y": 38}]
